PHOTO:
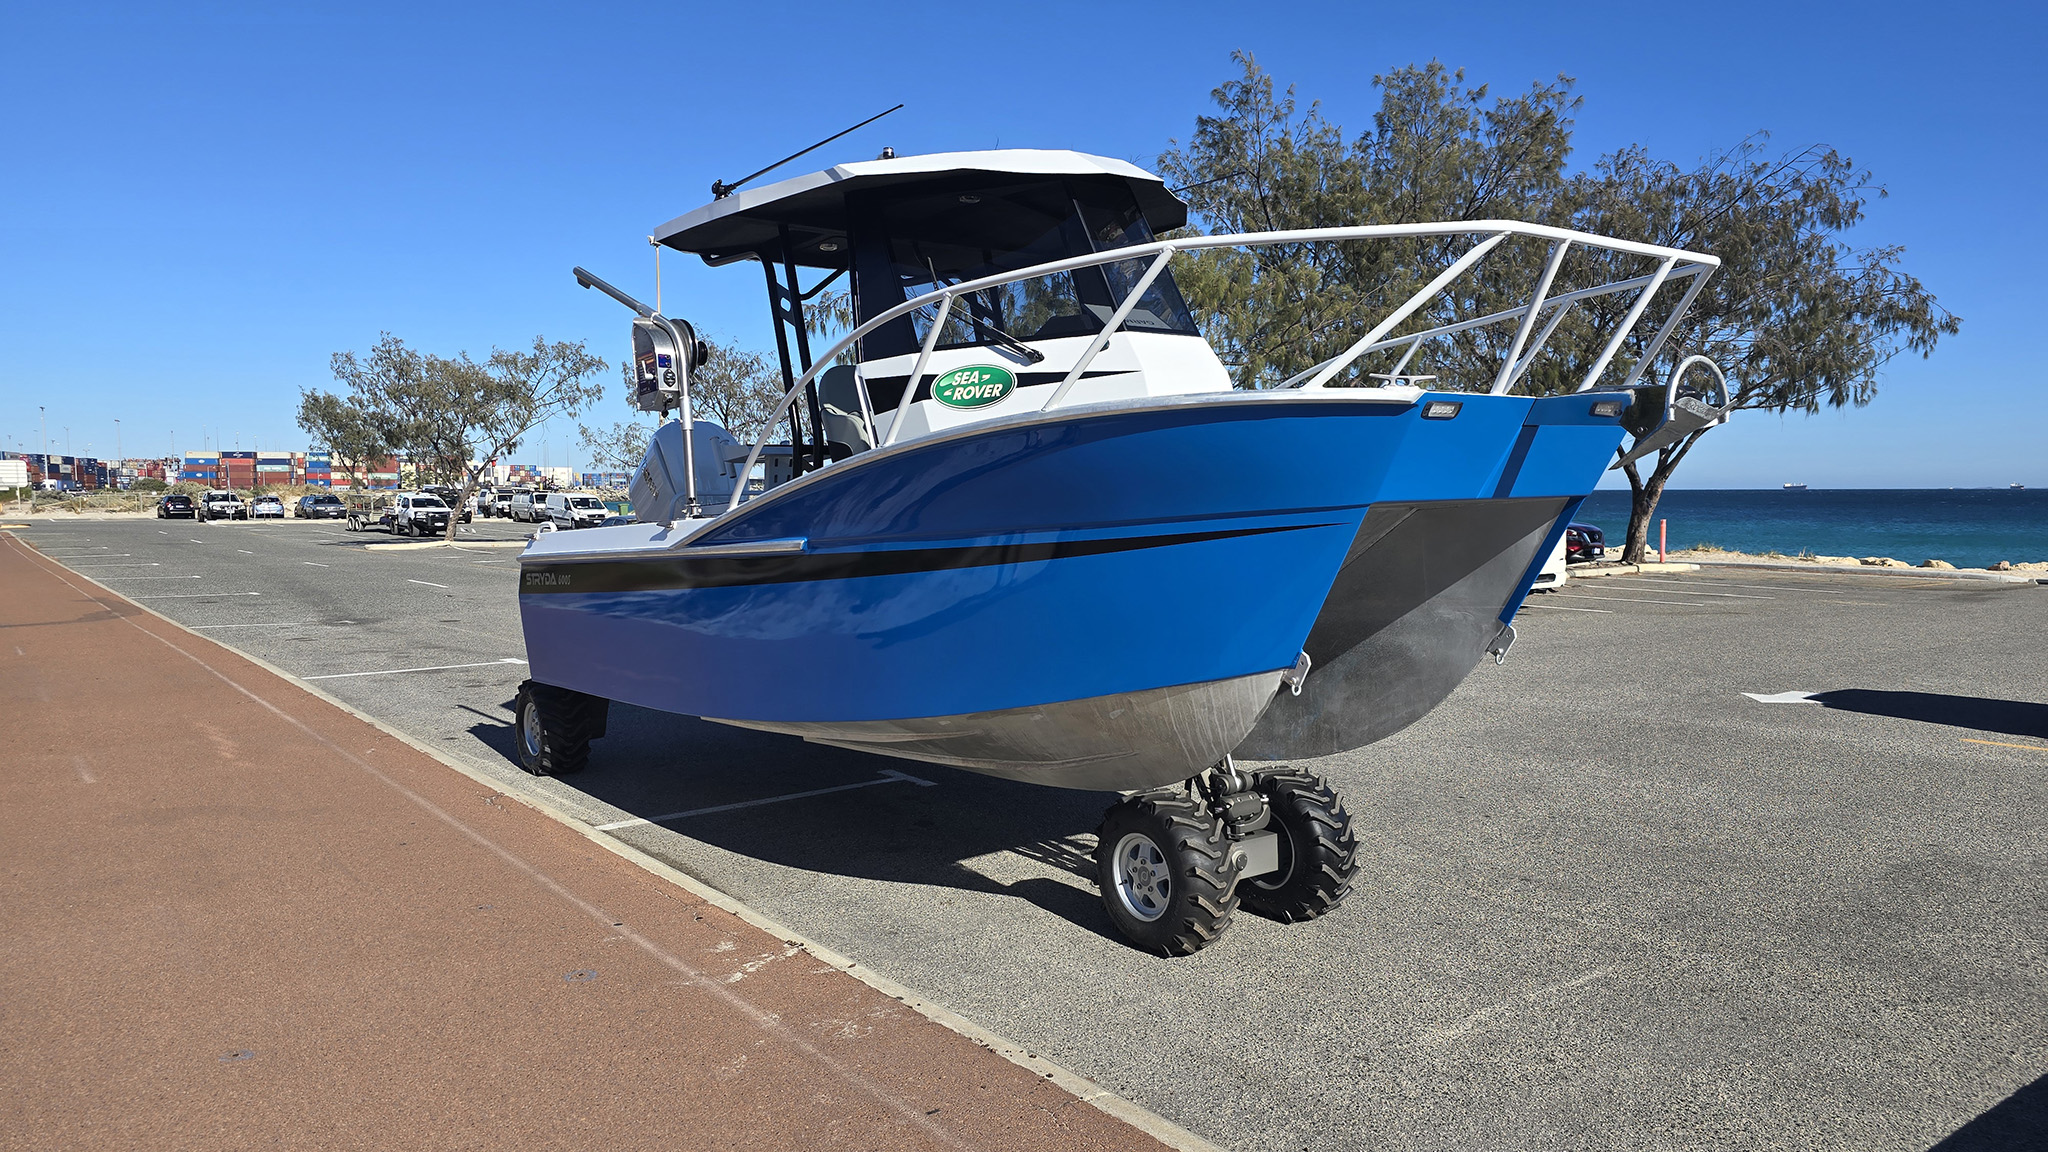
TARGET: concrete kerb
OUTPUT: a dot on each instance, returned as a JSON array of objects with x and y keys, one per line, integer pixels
[
  {"x": 1876, "y": 570},
  {"x": 1594, "y": 571},
  {"x": 1089, "y": 1092}
]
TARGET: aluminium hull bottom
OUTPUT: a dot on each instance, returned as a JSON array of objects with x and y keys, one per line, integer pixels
[{"x": 1111, "y": 743}]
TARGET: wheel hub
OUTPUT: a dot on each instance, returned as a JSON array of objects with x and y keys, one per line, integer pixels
[
  {"x": 1144, "y": 884},
  {"x": 529, "y": 730}
]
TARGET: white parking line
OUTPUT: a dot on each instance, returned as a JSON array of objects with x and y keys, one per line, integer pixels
[
  {"x": 245, "y": 551},
  {"x": 193, "y": 595},
  {"x": 428, "y": 583},
  {"x": 138, "y": 564},
  {"x": 888, "y": 776},
  {"x": 433, "y": 668},
  {"x": 1562, "y": 608},
  {"x": 1731, "y": 584},
  {"x": 316, "y": 564},
  {"x": 1682, "y": 592},
  {"x": 1781, "y": 697},
  {"x": 1632, "y": 600},
  {"x": 278, "y": 624},
  {"x": 103, "y": 579}
]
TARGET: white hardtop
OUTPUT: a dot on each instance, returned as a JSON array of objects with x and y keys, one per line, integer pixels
[{"x": 837, "y": 180}]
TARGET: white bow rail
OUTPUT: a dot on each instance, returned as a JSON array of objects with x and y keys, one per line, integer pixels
[{"x": 1673, "y": 264}]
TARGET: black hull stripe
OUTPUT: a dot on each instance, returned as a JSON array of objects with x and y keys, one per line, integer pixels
[{"x": 733, "y": 571}]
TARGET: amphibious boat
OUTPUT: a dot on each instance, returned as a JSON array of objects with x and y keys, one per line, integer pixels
[{"x": 1018, "y": 520}]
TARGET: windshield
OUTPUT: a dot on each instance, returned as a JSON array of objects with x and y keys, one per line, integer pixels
[
  {"x": 909, "y": 246},
  {"x": 326, "y": 499},
  {"x": 427, "y": 502},
  {"x": 585, "y": 502}
]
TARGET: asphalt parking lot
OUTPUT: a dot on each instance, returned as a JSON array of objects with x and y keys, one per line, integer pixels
[{"x": 1608, "y": 898}]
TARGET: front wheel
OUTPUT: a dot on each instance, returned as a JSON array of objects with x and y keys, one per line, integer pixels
[
  {"x": 1318, "y": 851},
  {"x": 554, "y": 728},
  {"x": 1167, "y": 871}
]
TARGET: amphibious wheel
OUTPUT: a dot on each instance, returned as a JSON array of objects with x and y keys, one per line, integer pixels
[
  {"x": 1168, "y": 874},
  {"x": 1318, "y": 852},
  {"x": 555, "y": 727}
]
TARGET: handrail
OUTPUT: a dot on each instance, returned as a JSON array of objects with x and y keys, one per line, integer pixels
[{"x": 1673, "y": 262}]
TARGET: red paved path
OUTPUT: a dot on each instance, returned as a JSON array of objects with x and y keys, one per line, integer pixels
[{"x": 233, "y": 915}]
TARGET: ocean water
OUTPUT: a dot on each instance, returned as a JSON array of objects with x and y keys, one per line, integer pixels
[{"x": 1968, "y": 527}]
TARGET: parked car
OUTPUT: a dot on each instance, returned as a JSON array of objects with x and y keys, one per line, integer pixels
[
  {"x": 452, "y": 497},
  {"x": 420, "y": 514},
  {"x": 266, "y": 508},
  {"x": 222, "y": 505},
  {"x": 574, "y": 510},
  {"x": 615, "y": 521},
  {"x": 320, "y": 506},
  {"x": 176, "y": 506},
  {"x": 1553, "y": 574},
  {"x": 525, "y": 507},
  {"x": 1584, "y": 543}
]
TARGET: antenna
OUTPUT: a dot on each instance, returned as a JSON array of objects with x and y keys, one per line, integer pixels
[{"x": 720, "y": 189}]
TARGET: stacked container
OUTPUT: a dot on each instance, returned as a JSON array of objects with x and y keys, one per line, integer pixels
[
  {"x": 238, "y": 469},
  {"x": 202, "y": 467},
  {"x": 274, "y": 468}
]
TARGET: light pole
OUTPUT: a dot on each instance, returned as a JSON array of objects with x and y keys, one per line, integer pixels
[{"x": 117, "y": 439}]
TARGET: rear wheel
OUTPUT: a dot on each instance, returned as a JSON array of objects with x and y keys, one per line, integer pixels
[
  {"x": 1167, "y": 871},
  {"x": 555, "y": 726},
  {"x": 1318, "y": 851}
]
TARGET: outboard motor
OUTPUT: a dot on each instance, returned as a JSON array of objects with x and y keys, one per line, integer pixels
[{"x": 659, "y": 491}]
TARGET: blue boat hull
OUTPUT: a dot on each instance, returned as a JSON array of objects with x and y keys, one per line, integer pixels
[{"x": 1102, "y": 597}]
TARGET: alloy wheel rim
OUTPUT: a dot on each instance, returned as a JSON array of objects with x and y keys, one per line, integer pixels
[
  {"x": 1144, "y": 884},
  {"x": 529, "y": 730}
]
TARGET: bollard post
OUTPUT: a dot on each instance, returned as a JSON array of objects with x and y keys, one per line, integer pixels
[{"x": 1661, "y": 522}]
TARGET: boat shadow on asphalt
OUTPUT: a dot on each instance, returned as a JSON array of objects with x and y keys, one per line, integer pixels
[
  {"x": 651, "y": 764},
  {"x": 2018, "y": 1121},
  {"x": 2011, "y": 717}
]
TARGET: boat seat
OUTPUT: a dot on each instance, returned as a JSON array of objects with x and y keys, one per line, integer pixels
[{"x": 846, "y": 433}]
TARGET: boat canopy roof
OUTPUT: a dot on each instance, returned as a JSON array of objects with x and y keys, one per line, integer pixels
[{"x": 813, "y": 208}]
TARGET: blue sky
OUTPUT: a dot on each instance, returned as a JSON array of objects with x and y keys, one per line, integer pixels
[{"x": 200, "y": 203}]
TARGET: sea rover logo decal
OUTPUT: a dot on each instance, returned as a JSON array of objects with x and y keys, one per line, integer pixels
[{"x": 975, "y": 386}]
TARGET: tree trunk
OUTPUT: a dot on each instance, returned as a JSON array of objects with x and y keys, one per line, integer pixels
[
  {"x": 469, "y": 480},
  {"x": 1644, "y": 495}
]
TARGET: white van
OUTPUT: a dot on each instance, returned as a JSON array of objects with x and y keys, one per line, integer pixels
[
  {"x": 524, "y": 507},
  {"x": 574, "y": 510},
  {"x": 501, "y": 501}
]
